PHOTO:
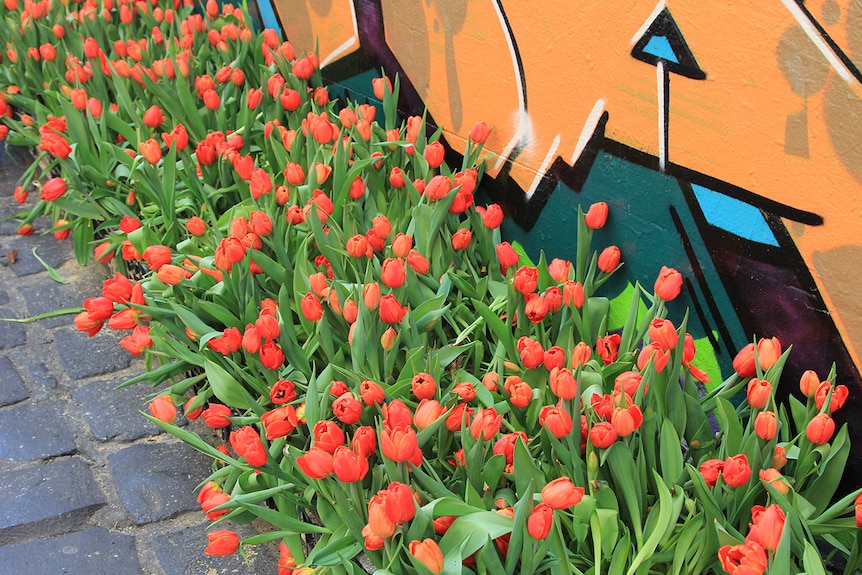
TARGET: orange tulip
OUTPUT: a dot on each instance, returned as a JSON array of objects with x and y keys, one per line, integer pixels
[
  {"x": 563, "y": 383},
  {"x": 429, "y": 554},
  {"x": 766, "y": 425}
]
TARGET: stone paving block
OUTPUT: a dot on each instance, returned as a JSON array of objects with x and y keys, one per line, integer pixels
[
  {"x": 114, "y": 413},
  {"x": 35, "y": 431},
  {"x": 4, "y": 297},
  {"x": 12, "y": 388},
  {"x": 11, "y": 333},
  {"x": 85, "y": 357},
  {"x": 181, "y": 553},
  {"x": 91, "y": 551},
  {"x": 156, "y": 481},
  {"x": 48, "y": 499},
  {"x": 53, "y": 251},
  {"x": 42, "y": 377},
  {"x": 48, "y": 296}
]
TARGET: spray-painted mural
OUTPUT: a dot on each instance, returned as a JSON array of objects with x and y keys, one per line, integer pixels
[{"x": 726, "y": 136}]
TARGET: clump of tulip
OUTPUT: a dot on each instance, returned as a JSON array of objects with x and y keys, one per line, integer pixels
[{"x": 321, "y": 285}]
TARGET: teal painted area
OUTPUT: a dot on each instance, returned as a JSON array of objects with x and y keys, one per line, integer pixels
[
  {"x": 659, "y": 47},
  {"x": 357, "y": 89},
  {"x": 640, "y": 224},
  {"x": 734, "y": 216}
]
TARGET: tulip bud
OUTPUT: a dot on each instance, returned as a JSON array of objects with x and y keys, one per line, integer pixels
[
  {"x": 163, "y": 409},
  {"x": 597, "y": 215}
]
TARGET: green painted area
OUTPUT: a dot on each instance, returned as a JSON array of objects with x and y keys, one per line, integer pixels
[{"x": 620, "y": 305}]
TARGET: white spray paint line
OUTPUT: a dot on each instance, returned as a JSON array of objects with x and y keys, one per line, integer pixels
[
  {"x": 544, "y": 167},
  {"x": 520, "y": 131},
  {"x": 642, "y": 30},
  {"x": 336, "y": 54},
  {"x": 588, "y": 130},
  {"x": 821, "y": 44}
]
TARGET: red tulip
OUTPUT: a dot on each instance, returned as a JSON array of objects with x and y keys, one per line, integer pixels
[
  {"x": 603, "y": 435},
  {"x": 609, "y": 259},
  {"x": 348, "y": 466},
  {"x": 820, "y": 429},
  {"x": 736, "y": 470},
  {"x": 669, "y": 284},
  {"x": 163, "y": 409},
  {"x": 53, "y": 189},
  {"x": 556, "y": 420},
  {"x": 765, "y": 425},
  {"x": 223, "y": 541},
  {"x": 246, "y": 442},
  {"x": 391, "y": 311},
  {"x": 597, "y": 215},
  {"x": 315, "y": 463},
  {"x": 561, "y": 493},
  {"x": 540, "y": 521},
  {"x": 480, "y": 132},
  {"x": 398, "y": 444}
]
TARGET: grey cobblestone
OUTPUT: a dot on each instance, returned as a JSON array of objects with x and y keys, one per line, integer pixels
[
  {"x": 157, "y": 481},
  {"x": 114, "y": 413},
  {"x": 181, "y": 553},
  {"x": 85, "y": 357},
  {"x": 48, "y": 499},
  {"x": 95, "y": 550},
  {"x": 12, "y": 388},
  {"x": 35, "y": 431},
  {"x": 125, "y": 502},
  {"x": 12, "y": 334}
]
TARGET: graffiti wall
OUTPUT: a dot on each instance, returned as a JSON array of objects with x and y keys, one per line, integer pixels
[{"x": 726, "y": 137}]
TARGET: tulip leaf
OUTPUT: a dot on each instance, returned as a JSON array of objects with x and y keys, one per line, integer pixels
[
  {"x": 497, "y": 327},
  {"x": 670, "y": 453},
  {"x": 283, "y": 521},
  {"x": 469, "y": 532},
  {"x": 819, "y": 493},
  {"x": 729, "y": 423},
  {"x": 224, "y": 386},
  {"x": 334, "y": 549}
]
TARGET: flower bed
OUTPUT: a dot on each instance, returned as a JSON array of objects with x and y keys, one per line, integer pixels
[{"x": 400, "y": 388}]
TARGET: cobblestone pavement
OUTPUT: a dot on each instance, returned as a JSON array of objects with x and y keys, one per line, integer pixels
[{"x": 89, "y": 486}]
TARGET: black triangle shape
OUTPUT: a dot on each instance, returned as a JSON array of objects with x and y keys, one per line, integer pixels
[{"x": 664, "y": 25}]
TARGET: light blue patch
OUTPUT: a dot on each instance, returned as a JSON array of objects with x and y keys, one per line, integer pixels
[
  {"x": 734, "y": 216},
  {"x": 267, "y": 14},
  {"x": 659, "y": 47}
]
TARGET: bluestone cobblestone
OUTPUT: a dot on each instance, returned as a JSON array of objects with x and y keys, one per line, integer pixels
[
  {"x": 12, "y": 388},
  {"x": 27, "y": 433}
]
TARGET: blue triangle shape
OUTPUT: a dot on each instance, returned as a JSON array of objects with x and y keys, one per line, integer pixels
[{"x": 659, "y": 47}]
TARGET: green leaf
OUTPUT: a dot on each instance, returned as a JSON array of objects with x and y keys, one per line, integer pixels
[
  {"x": 282, "y": 521},
  {"x": 821, "y": 490},
  {"x": 729, "y": 422},
  {"x": 670, "y": 454},
  {"x": 224, "y": 385},
  {"x": 469, "y": 532},
  {"x": 498, "y": 328}
]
